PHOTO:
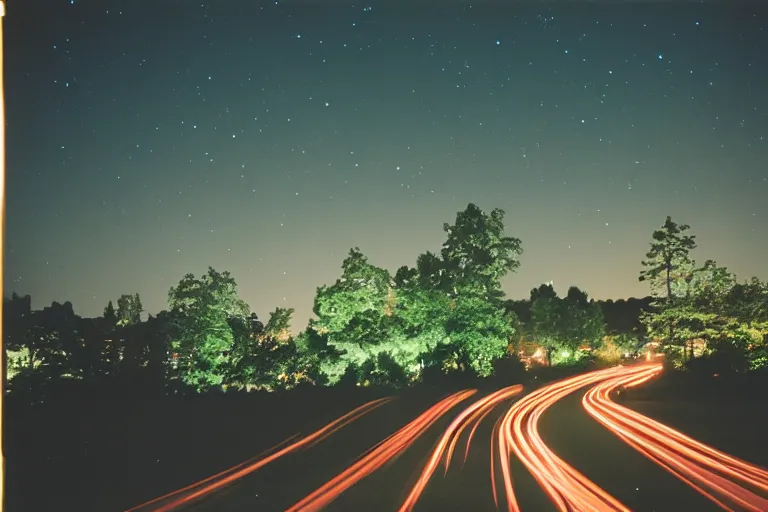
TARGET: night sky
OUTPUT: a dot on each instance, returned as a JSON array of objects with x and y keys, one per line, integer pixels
[{"x": 151, "y": 138}]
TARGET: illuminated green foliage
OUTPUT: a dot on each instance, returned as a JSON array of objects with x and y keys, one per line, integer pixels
[
  {"x": 479, "y": 333},
  {"x": 475, "y": 257},
  {"x": 477, "y": 254},
  {"x": 704, "y": 306},
  {"x": 668, "y": 260},
  {"x": 203, "y": 336},
  {"x": 129, "y": 310},
  {"x": 369, "y": 318},
  {"x": 354, "y": 313},
  {"x": 562, "y": 326}
]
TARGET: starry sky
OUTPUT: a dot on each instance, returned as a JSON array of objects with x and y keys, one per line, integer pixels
[{"x": 151, "y": 138}]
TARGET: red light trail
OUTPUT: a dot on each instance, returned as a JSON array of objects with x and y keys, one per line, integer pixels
[
  {"x": 518, "y": 433},
  {"x": 199, "y": 489},
  {"x": 391, "y": 447},
  {"x": 702, "y": 467},
  {"x": 731, "y": 483},
  {"x": 476, "y": 412}
]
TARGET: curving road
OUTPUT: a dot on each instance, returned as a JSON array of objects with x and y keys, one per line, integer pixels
[
  {"x": 398, "y": 472},
  {"x": 729, "y": 482},
  {"x": 197, "y": 490}
]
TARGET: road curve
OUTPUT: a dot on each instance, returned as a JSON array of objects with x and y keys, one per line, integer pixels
[
  {"x": 729, "y": 482},
  {"x": 518, "y": 434},
  {"x": 197, "y": 490},
  {"x": 447, "y": 443},
  {"x": 386, "y": 450}
]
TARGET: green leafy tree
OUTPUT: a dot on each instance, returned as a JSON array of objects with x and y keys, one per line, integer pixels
[
  {"x": 668, "y": 265},
  {"x": 563, "y": 326},
  {"x": 246, "y": 335},
  {"x": 475, "y": 257},
  {"x": 711, "y": 307},
  {"x": 477, "y": 254},
  {"x": 271, "y": 360},
  {"x": 354, "y": 312},
  {"x": 203, "y": 335},
  {"x": 323, "y": 362},
  {"x": 279, "y": 324},
  {"x": 668, "y": 260},
  {"x": 546, "y": 322},
  {"x": 23, "y": 348},
  {"x": 479, "y": 333},
  {"x": 421, "y": 310},
  {"x": 129, "y": 310}
]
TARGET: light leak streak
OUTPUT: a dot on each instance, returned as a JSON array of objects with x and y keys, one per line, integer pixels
[
  {"x": 568, "y": 489},
  {"x": 710, "y": 472},
  {"x": 219, "y": 480},
  {"x": 476, "y": 412},
  {"x": 375, "y": 458}
]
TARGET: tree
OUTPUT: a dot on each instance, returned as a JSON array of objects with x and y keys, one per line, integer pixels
[
  {"x": 668, "y": 263},
  {"x": 475, "y": 257},
  {"x": 565, "y": 325},
  {"x": 353, "y": 312},
  {"x": 546, "y": 291},
  {"x": 110, "y": 316},
  {"x": 203, "y": 335},
  {"x": 279, "y": 324},
  {"x": 421, "y": 310},
  {"x": 479, "y": 333},
  {"x": 577, "y": 297},
  {"x": 129, "y": 310},
  {"x": 669, "y": 257},
  {"x": 19, "y": 342},
  {"x": 545, "y": 324},
  {"x": 323, "y": 362},
  {"x": 271, "y": 359},
  {"x": 477, "y": 254}
]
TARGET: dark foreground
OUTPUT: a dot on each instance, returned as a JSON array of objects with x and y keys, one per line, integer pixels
[{"x": 105, "y": 455}]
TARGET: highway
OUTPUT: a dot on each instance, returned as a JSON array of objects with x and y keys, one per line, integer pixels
[
  {"x": 505, "y": 450},
  {"x": 729, "y": 482}
]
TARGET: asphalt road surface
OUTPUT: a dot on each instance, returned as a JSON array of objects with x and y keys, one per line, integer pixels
[{"x": 564, "y": 446}]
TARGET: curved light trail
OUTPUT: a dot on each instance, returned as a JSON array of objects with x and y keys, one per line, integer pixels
[
  {"x": 388, "y": 449},
  {"x": 203, "y": 487},
  {"x": 475, "y": 412},
  {"x": 712, "y": 473},
  {"x": 518, "y": 433},
  {"x": 731, "y": 483}
]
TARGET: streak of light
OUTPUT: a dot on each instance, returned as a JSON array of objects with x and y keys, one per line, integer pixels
[
  {"x": 568, "y": 489},
  {"x": 475, "y": 412},
  {"x": 375, "y": 458},
  {"x": 494, "y": 433},
  {"x": 474, "y": 428},
  {"x": 712, "y": 473},
  {"x": 214, "y": 482}
]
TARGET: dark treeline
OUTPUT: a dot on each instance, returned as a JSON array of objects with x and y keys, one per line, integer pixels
[{"x": 447, "y": 315}]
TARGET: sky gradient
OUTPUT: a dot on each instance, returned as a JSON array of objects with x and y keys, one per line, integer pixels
[{"x": 151, "y": 138}]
